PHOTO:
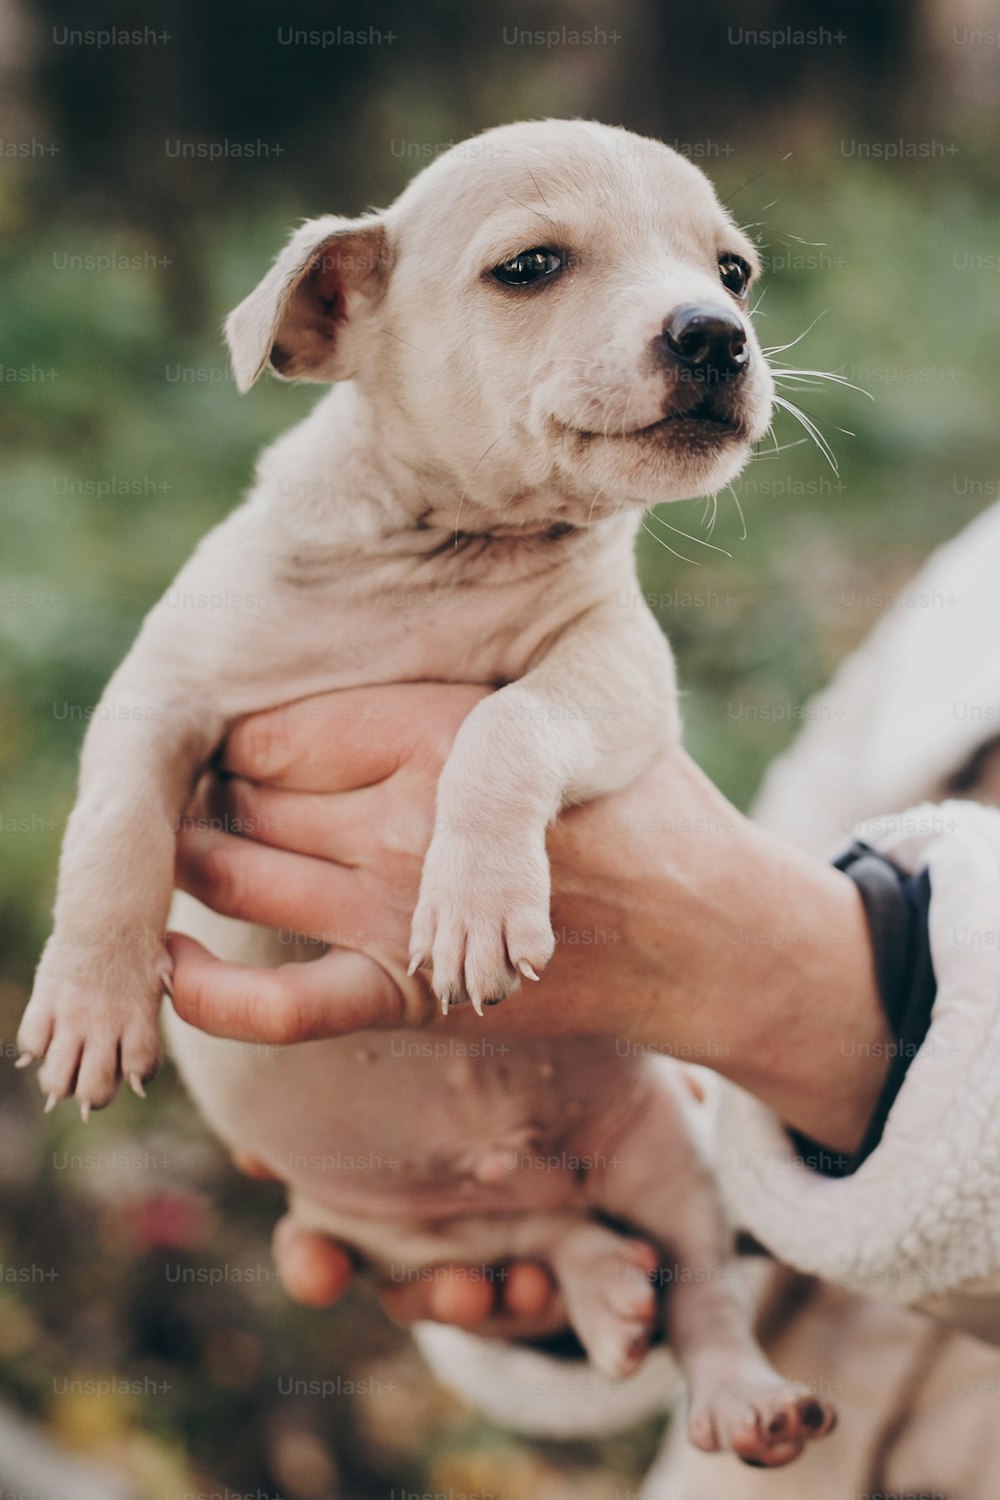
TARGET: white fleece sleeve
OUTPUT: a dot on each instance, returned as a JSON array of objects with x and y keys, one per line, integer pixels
[{"x": 920, "y": 1219}]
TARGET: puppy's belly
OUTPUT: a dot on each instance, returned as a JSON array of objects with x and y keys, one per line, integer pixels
[{"x": 405, "y": 1127}]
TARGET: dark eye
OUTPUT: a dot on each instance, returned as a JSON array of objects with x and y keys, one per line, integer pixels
[
  {"x": 528, "y": 266},
  {"x": 735, "y": 274}
]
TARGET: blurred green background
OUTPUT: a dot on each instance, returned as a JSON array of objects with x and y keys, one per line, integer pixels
[{"x": 145, "y": 184}]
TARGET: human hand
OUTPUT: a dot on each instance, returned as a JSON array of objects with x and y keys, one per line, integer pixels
[
  {"x": 679, "y": 924},
  {"x": 337, "y": 794}
]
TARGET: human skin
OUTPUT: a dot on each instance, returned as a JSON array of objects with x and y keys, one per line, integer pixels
[{"x": 682, "y": 927}]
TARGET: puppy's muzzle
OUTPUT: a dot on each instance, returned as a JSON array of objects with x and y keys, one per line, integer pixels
[{"x": 707, "y": 342}]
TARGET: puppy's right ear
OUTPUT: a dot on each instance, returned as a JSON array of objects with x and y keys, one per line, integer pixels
[{"x": 305, "y": 319}]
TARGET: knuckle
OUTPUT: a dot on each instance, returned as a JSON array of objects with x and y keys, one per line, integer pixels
[
  {"x": 220, "y": 878},
  {"x": 285, "y": 1024},
  {"x": 404, "y": 823},
  {"x": 260, "y": 747},
  {"x": 247, "y": 805}
]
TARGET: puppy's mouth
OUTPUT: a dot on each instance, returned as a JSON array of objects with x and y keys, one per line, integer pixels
[{"x": 699, "y": 426}]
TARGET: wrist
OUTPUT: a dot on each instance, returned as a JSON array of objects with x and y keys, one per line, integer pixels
[
  {"x": 817, "y": 1045},
  {"x": 761, "y": 967}
]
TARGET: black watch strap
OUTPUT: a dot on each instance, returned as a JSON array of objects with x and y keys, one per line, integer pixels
[{"x": 896, "y": 906}]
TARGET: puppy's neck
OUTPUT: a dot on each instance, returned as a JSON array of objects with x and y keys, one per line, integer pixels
[{"x": 361, "y": 472}]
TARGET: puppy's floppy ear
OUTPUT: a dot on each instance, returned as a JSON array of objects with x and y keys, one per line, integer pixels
[{"x": 299, "y": 321}]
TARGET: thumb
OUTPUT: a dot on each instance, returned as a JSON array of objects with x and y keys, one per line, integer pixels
[{"x": 341, "y": 992}]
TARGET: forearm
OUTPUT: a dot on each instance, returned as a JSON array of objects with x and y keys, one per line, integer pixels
[{"x": 788, "y": 1004}]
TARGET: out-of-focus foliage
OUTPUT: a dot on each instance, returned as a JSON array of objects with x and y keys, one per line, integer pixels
[{"x": 124, "y": 1324}]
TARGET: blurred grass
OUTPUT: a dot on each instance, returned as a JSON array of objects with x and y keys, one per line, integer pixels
[{"x": 873, "y": 250}]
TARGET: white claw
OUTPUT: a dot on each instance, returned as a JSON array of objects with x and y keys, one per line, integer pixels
[
  {"x": 25, "y": 1060},
  {"x": 527, "y": 970},
  {"x": 51, "y": 1103},
  {"x": 414, "y": 964},
  {"x": 135, "y": 1084},
  {"x": 85, "y": 1111},
  {"x": 477, "y": 1006}
]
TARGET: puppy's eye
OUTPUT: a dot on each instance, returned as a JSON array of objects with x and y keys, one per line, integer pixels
[
  {"x": 529, "y": 266},
  {"x": 735, "y": 274}
]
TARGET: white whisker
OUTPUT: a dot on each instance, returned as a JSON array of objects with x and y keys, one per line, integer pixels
[
  {"x": 465, "y": 490},
  {"x": 739, "y": 512},
  {"x": 659, "y": 540},
  {"x": 780, "y": 348},
  {"x": 686, "y": 535},
  {"x": 598, "y": 496},
  {"x": 763, "y": 458},
  {"x": 810, "y": 426},
  {"x": 814, "y": 377}
]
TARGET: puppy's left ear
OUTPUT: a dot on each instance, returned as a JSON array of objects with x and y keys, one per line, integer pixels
[{"x": 304, "y": 320}]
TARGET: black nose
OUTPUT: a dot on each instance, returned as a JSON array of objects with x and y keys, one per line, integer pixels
[{"x": 709, "y": 339}]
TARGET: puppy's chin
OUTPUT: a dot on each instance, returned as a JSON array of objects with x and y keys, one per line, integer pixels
[{"x": 648, "y": 468}]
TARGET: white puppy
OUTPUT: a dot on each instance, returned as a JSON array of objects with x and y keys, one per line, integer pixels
[{"x": 545, "y": 334}]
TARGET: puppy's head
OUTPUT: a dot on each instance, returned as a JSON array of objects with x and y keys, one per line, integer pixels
[{"x": 558, "y": 307}]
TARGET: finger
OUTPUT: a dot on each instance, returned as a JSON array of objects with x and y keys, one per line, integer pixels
[
  {"x": 441, "y": 1294},
  {"x": 518, "y": 1301},
  {"x": 339, "y": 827},
  {"x": 335, "y": 995},
  {"x": 528, "y": 1304},
  {"x": 313, "y": 1269},
  {"x": 528, "y": 1291},
  {"x": 301, "y": 895},
  {"x": 347, "y": 739},
  {"x": 466, "y": 1304}
]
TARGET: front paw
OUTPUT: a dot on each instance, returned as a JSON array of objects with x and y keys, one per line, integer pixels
[
  {"x": 482, "y": 919},
  {"x": 92, "y": 1021}
]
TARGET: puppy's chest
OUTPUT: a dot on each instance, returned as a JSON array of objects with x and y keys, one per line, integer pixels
[{"x": 468, "y": 608}]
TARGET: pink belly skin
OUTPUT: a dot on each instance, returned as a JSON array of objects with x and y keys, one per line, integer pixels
[{"x": 404, "y": 1126}]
